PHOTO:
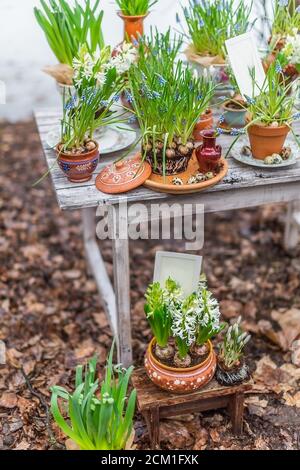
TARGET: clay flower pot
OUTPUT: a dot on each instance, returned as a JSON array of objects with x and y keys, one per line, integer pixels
[
  {"x": 209, "y": 153},
  {"x": 266, "y": 140},
  {"x": 206, "y": 121},
  {"x": 234, "y": 117},
  {"x": 78, "y": 168},
  {"x": 234, "y": 376},
  {"x": 133, "y": 26},
  {"x": 178, "y": 380}
]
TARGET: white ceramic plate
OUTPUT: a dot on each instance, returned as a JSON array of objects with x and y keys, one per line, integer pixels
[
  {"x": 236, "y": 153},
  {"x": 111, "y": 138}
]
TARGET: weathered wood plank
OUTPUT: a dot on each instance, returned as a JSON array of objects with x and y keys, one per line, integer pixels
[
  {"x": 240, "y": 178},
  {"x": 150, "y": 396}
]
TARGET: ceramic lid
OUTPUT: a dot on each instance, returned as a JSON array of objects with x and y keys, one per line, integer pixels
[{"x": 123, "y": 176}]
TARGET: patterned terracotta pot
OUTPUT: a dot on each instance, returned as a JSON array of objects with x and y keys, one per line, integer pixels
[
  {"x": 180, "y": 380},
  {"x": 133, "y": 26},
  {"x": 78, "y": 168},
  {"x": 206, "y": 121}
]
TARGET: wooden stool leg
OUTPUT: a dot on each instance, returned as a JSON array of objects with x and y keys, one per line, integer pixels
[
  {"x": 237, "y": 413},
  {"x": 152, "y": 421}
]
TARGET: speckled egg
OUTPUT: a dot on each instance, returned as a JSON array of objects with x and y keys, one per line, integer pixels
[
  {"x": 269, "y": 160},
  {"x": 276, "y": 158},
  {"x": 177, "y": 181},
  {"x": 209, "y": 175},
  {"x": 192, "y": 180},
  {"x": 200, "y": 177}
]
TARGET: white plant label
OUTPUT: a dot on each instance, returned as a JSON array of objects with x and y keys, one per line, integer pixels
[{"x": 243, "y": 57}]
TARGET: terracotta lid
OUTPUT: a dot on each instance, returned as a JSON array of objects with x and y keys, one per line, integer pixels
[{"x": 123, "y": 176}]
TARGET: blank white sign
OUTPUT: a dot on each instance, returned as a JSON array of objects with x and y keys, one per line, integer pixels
[{"x": 243, "y": 57}]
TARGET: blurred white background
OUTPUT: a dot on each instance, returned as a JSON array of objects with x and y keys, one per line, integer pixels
[{"x": 24, "y": 51}]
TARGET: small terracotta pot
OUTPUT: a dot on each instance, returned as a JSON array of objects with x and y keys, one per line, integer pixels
[
  {"x": 178, "y": 380},
  {"x": 133, "y": 26},
  {"x": 235, "y": 118},
  {"x": 78, "y": 168},
  {"x": 206, "y": 121},
  {"x": 266, "y": 140}
]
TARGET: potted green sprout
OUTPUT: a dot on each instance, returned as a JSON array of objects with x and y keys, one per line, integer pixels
[
  {"x": 99, "y": 415},
  {"x": 270, "y": 116},
  {"x": 180, "y": 357},
  {"x": 67, "y": 28},
  {"x": 231, "y": 369},
  {"x": 210, "y": 23},
  {"x": 133, "y": 13},
  {"x": 167, "y": 101}
]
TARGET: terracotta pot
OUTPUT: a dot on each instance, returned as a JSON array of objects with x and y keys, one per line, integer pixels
[
  {"x": 78, "y": 168},
  {"x": 133, "y": 26},
  {"x": 178, "y": 380},
  {"x": 206, "y": 121},
  {"x": 209, "y": 153},
  {"x": 234, "y": 118},
  {"x": 234, "y": 376},
  {"x": 266, "y": 140}
]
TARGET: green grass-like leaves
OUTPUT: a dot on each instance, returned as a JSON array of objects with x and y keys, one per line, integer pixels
[
  {"x": 67, "y": 28},
  {"x": 135, "y": 7},
  {"x": 99, "y": 416}
]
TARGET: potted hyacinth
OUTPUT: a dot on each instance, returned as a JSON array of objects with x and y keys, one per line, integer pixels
[
  {"x": 98, "y": 81},
  {"x": 180, "y": 358},
  {"x": 284, "y": 43},
  {"x": 210, "y": 23},
  {"x": 99, "y": 415},
  {"x": 133, "y": 13},
  {"x": 167, "y": 100},
  {"x": 270, "y": 116},
  {"x": 67, "y": 29},
  {"x": 231, "y": 369}
]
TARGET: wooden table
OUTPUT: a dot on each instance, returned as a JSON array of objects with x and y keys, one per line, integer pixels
[
  {"x": 155, "y": 404},
  {"x": 243, "y": 187}
]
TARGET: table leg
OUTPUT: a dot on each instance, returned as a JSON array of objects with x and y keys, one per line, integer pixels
[
  {"x": 237, "y": 413},
  {"x": 118, "y": 225},
  {"x": 292, "y": 226},
  {"x": 97, "y": 267}
]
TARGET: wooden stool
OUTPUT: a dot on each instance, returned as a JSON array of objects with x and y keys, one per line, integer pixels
[{"x": 154, "y": 403}]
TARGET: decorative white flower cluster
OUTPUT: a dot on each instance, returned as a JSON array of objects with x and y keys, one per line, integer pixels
[
  {"x": 95, "y": 66},
  {"x": 292, "y": 48},
  {"x": 189, "y": 315}
]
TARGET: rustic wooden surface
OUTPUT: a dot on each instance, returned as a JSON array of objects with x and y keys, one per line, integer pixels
[
  {"x": 243, "y": 186},
  {"x": 154, "y": 403},
  {"x": 150, "y": 395}
]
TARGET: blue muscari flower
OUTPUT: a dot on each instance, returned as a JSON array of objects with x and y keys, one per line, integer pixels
[
  {"x": 234, "y": 131},
  {"x": 135, "y": 42},
  {"x": 128, "y": 96},
  {"x": 178, "y": 18},
  {"x": 143, "y": 76},
  {"x": 250, "y": 100},
  {"x": 177, "y": 97},
  {"x": 156, "y": 95},
  {"x": 222, "y": 119},
  {"x": 219, "y": 130},
  {"x": 237, "y": 27},
  {"x": 191, "y": 86},
  {"x": 104, "y": 103},
  {"x": 161, "y": 80},
  {"x": 116, "y": 98},
  {"x": 297, "y": 9},
  {"x": 199, "y": 97},
  {"x": 296, "y": 116},
  {"x": 283, "y": 3},
  {"x": 131, "y": 120},
  {"x": 71, "y": 104},
  {"x": 201, "y": 23},
  {"x": 278, "y": 67}
]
